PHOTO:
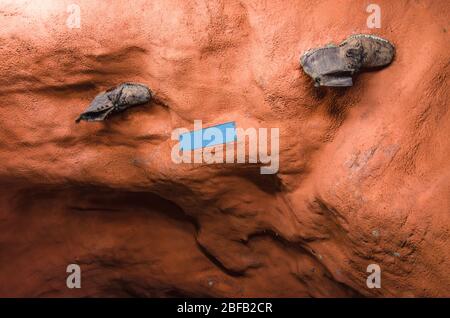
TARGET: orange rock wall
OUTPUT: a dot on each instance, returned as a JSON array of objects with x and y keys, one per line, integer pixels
[{"x": 364, "y": 172}]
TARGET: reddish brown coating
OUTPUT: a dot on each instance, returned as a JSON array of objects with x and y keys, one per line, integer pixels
[{"x": 364, "y": 172}]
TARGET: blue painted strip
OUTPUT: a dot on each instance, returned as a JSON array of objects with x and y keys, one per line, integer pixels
[{"x": 207, "y": 137}]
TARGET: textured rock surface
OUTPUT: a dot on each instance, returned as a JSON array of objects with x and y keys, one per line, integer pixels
[{"x": 364, "y": 172}]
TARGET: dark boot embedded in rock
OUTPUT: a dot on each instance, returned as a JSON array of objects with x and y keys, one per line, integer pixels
[
  {"x": 335, "y": 66},
  {"x": 115, "y": 100}
]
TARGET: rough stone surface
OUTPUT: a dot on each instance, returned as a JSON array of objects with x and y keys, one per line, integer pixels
[{"x": 364, "y": 172}]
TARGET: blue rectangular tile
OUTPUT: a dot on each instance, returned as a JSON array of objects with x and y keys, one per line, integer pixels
[{"x": 207, "y": 137}]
